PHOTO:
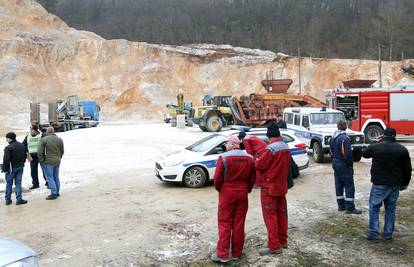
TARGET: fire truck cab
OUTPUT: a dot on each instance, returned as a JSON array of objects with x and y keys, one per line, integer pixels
[{"x": 371, "y": 110}]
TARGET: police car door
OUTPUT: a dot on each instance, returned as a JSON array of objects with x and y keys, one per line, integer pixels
[
  {"x": 295, "y": 126},
  {"x": 210, "y": 158},
  {"x": 305, "y": 129}
]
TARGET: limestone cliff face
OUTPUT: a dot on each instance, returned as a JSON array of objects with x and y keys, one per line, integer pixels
[{"x": 41, "y": 59}]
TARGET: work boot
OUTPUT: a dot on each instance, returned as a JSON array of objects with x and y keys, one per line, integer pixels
[
  {"x": 341, "y": 209},
  {"x": 387, "y": 239},
  {"x": 8, "y": 202},
  {"x": 51, "y": 197},
  {"x": 354, "y": 211},
  {"x": 235, "y": 258},
  {"x": 33, "y": 187},
  {"x": 372, "y": 239},
  {"x": 268, "y": 251},
  {"x": 21, "y": 202},
  {"x": 216, "y": 258}
]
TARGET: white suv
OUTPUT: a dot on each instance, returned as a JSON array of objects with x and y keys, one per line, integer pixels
[{"x": 315, "y": 127}]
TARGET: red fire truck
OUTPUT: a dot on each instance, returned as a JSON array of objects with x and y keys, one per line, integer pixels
[{"x": 371, "y": 110}]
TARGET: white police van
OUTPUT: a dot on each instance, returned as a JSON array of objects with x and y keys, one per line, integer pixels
[{"x": 316, "y": 126}]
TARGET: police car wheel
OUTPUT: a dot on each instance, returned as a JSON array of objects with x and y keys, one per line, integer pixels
[
  {"x": 194, "y": 177},
  {"x": 317, "y": 152}
]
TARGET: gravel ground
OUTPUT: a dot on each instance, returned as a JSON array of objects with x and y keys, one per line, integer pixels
[{"x": 114, "y": 212}]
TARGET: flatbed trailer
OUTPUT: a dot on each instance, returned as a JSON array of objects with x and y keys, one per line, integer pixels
[{"x": 67, "y": 115}]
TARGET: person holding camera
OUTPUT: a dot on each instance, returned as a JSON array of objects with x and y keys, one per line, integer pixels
[{"x": 390, "y": 172}]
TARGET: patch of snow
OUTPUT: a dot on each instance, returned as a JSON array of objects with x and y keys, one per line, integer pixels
[
  {"x": 258, "y": 52},
  {"x": 185, "y": 50},
  {"x": 247, "y": 59},
  {"x": 168, "y": 254},
  {"x": 241, "y": 50},
  {"x": 405, "y": 81},
  {"x": 111, "y": 149}
]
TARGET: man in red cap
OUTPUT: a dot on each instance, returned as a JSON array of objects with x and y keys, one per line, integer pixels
[
  {"x": 272, "y": 165},
  {"x": 233, "y": 179}
]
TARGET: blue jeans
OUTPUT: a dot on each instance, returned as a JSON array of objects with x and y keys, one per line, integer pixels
[
  {"x": 378, "y": 195},
  {"x": 52, "y": 177},
  {"x": 16, "y": 177},
  {"x": 344, "y": 180}
]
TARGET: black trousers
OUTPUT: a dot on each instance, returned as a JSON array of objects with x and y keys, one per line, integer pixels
[{"x": 34, "y": 170}]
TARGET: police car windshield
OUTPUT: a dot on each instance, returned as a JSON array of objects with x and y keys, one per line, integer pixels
[
  {"x": 206, "y": 143},
  {"x": 326, "y": 118}
]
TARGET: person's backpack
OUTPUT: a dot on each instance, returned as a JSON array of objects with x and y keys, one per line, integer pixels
[
  {"x": 293, "y": 173},
  {"x": 295, "y": 169}
]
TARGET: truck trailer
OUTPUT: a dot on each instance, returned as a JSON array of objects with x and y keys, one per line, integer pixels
[{"x": 68, "y": 114}]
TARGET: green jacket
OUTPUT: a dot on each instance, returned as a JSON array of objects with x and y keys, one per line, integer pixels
[{"x": 50, "y": 150}]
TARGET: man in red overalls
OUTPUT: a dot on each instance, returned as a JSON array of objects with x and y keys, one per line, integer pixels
[
  {"x": 233, "y": 179},
  {"x": 272, "y": 166}
]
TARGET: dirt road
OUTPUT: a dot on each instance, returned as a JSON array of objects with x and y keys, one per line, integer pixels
[{"x": 114, "y": 212}]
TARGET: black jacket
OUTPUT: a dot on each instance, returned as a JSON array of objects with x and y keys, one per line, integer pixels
[
  {"x": 391, "y": 163},
  {"x": 15, "y": 153},
  {"x": 281, "y": 124}
]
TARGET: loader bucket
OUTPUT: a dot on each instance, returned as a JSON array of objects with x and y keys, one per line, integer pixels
[
  {"x": 277, "y": 86},
  {"x": 358, "y": 83}
]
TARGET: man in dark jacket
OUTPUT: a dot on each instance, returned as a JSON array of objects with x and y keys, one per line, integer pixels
[
  {"x": 272, "y": 165},
  {"x": 233, "y": 179},
  {"x": 390, "y": 172},
  {"x": 342, "y": 164},
  {"x": 50, "y": 152},
  {"x": 280, "y": 122},
  {"x": 13, "y": 165},
  {"x": 31, "y": 142}
]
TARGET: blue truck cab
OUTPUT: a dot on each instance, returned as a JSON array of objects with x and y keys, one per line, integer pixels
[{"x": 91, "y": 110}]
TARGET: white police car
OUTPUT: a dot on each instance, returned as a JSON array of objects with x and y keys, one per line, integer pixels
[
  {"x": 195, "y": 165},
  {"x": 316, "y": 126},
  {"x": 16, "y": 254}
]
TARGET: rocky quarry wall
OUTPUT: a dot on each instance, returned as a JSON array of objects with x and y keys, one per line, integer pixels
[{"x": 41, "y": 59}]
